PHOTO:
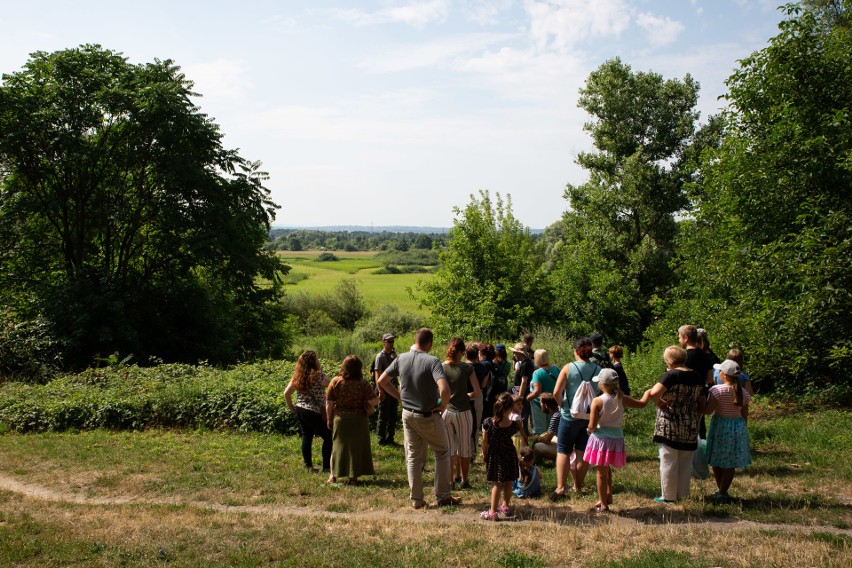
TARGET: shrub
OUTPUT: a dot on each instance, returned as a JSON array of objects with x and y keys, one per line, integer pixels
[
  {"x": 387, "y": 319},
  {"x": 327, "y": 257},
  {"x": 245, "y": 398}
]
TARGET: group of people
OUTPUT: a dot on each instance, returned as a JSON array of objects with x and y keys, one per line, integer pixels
[{"x": 449, "y": 406}]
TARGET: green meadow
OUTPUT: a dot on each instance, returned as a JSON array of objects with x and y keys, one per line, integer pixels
[{"x": 308, "y": 275}]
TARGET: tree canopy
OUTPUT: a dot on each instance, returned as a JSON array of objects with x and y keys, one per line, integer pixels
[{"x": 131, "y": 227}]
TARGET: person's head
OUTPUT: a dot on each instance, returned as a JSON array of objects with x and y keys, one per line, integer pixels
[
  {"x": 616, "y": 353},
  {"x": 527, "y": 340},
  {"x": 306, "y": 367},
  {"x": 352, "y": 369},
  {"x": 472, "y": 352},
  {"x": 517, "y": 403},
  {"x": 736, "y": 355},
  {"x": 607, "y": 380},
  {"x": 500, "y": 352},
  {"x": 455, "y": 349},
  {"x": 729, "y": 372},
  {"x": 687, "y": 335},
  {"x": 388, "y": 341},
  {"x": 548, "y": 403},
  {"x": 701, "y": 339},
  {"x": 527, "y": 456},
  {"x": 519, "y": 352},
  {"x": 596, "y": 339},
  {"x": 503, "y": 406},
  {"x": 541, "y": 358},
  {"x": 423, "y": 339},
  {"x": 486, "y": 351},
  {"x": 674, "y": 356},
  {"x": 583, "y": 348}
]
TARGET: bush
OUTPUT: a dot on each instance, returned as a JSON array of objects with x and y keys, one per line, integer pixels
[
  {"x": 244, "y": 398},
  {"x": 387, "y": 319},
  {"x": 327, "y": 257},
  {"x": 28, "y": 353}
]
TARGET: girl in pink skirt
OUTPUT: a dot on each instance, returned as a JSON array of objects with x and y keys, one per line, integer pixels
[{"x": 605, "y": 448}]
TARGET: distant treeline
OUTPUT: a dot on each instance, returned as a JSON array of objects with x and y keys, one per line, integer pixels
[{"x": 307, "y": 239}]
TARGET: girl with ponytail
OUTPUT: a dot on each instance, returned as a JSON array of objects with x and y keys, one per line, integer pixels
[{"x": 727, "y": 438}]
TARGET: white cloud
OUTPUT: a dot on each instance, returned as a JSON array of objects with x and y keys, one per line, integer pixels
[
  {"x": 415, "y": 14},
  {"x": 439, "y": 52},
  {"x": 486, "y": 12},
  {"x": 219, "y": 79},
  {"x": 660, "y": 31},
  {"x": 561, "y": 24}
]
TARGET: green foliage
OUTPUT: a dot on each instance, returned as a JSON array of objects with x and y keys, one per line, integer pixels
[
  {"x": 27, "y": 351},
  {"x": 611, "y": 252},
  {"x": 305, "y": 239},
  {"x": 327, "y": 257},
  {"x": 417, "y": 257},
  {"x": 765, "y": 262},
  {"x": 316, "y": 314},
  {"x": 244, "y": 398},
  {"x": 491, "y": 275},
  {"x": 387, "y": 318},
  {"x": 135, "y": 230}
]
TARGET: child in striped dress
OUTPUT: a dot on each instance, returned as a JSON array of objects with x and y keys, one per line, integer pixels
[
  {"x": 727, "y": 438},
  {"x": 605, "y": 448}
]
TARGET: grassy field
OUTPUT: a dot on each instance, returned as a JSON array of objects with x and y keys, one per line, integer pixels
[
  {"x": 311, "y": 276},
  {"x": 201, "y": 498}
]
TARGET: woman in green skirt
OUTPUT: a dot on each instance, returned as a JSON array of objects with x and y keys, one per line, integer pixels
[{"x": 348, "y": 398}]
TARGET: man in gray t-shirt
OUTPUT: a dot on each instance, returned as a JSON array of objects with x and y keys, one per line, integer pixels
[{"x": 424, "y": 393}]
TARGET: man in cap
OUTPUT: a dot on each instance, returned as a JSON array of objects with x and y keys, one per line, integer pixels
[{"x": 386, "y": 423}]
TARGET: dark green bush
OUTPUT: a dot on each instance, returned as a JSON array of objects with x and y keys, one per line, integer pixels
[
  {"x": 327, "y": 257},
  {"x": 244, "y": 398}
]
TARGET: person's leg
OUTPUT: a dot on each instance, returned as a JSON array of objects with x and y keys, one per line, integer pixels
[
  {"x": 582, "y": 438},
  {"x": 434, "y": 434},
  {"x": 668, "y": 470},
  {"x": 727, "y": 479},
  {"x": 465, "y": 447},
  {"x": 305, "y": 425},
  {"x": 539, "y": 419},
  {"x": 415, "y": 455},
  {"x": 609, "y": 486},
  {"x": 495, "y": 497},
  {"x": 717, "y": 475},
  {"x": 325, "y": 434},
  {"x": 464, "y": 469},
  {"x": 561, "y": 472},
  {"x": 507, "y": 494},
  {"x": 564, "y": 450},
  {"x": 601, "y": 482},
  {"x": 393, "y": 414},
  {"x": 684, "y": 472}
]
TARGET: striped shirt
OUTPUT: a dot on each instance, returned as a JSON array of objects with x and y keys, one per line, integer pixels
[{"x": 725, "y": 397}]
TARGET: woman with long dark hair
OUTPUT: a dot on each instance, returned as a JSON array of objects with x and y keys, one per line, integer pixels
[
  {"x": 348, "y": 398},
  {"x": 309, "y": 384}
]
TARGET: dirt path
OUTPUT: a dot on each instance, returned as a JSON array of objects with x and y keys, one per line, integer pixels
[{"x": 647, "y": 516}]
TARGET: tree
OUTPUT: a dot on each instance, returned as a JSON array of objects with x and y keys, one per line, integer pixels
[
  {"x": 491, "y": 283},
  {"x": 765, "y": 262},
  {"x": 130, "y": 226},
  {"x": 617, "y": 239}
]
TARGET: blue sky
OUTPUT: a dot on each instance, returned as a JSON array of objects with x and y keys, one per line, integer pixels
[{"x": 393, "y": 112}]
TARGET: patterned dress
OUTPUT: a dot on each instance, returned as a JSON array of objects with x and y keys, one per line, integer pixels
[
  {"x": 501, "y": 463},
  {"x": 727, "y": 438}
]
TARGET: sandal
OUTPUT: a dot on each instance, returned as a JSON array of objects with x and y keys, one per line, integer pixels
[
  {"x": 558, "y": 496},
  {"x": 601, "y": 508},
  {"x": 503, "y": 510},
  {"x": 488, "y": 516}
]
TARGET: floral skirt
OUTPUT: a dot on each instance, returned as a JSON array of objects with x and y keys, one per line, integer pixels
[
  {"x": 605, "y": 451},
  {"x": 727, "y": 443}
]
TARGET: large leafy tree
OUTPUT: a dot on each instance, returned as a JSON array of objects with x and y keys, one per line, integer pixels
[
  {"x": 766, "y": 260},
  {"x": 616, "y": 241},
  {"x": 126, "y": 224},
  {"x": 491, "y": 283}
]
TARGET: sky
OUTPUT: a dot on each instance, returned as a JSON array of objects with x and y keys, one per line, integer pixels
[{"x": 394, "y": 112}]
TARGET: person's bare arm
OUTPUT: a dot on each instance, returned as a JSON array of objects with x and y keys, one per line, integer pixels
[
  {"x": 561, "y": 381},
  {"x": 474, "y": 384},
  {"x": 385, "y": 383}
]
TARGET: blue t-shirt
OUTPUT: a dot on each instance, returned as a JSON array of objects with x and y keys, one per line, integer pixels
[
  {"x": 743, "y": 377},
  {"x": 579, "y": 371},
  {"x": 547, "y": 379}
]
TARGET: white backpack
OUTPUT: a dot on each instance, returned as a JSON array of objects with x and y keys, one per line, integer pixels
[{"x": 581, "y": 406}]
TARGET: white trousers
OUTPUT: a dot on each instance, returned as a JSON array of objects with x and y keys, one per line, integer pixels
[{"x": 675, "y": 469}]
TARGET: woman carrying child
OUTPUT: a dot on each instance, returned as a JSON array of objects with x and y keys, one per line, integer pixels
[
  {"x": 500, "y": 456},
  {"x": 727, "y": 438},
  {"x": 605, "y": 448}
]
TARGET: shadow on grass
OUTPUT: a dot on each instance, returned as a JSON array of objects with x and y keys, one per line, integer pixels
[{"x": 780, "y": 470}]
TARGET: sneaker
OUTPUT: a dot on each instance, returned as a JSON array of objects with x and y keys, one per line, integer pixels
[
  {"x": 664, "y": 501},
  {"x": 417, "y": 504},
  {"x": 449, "y": 501}
]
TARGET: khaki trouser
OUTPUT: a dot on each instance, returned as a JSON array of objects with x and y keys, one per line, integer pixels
[
  {"x": 422, "y": 433},
  {"x": 675, "y": 469}
]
